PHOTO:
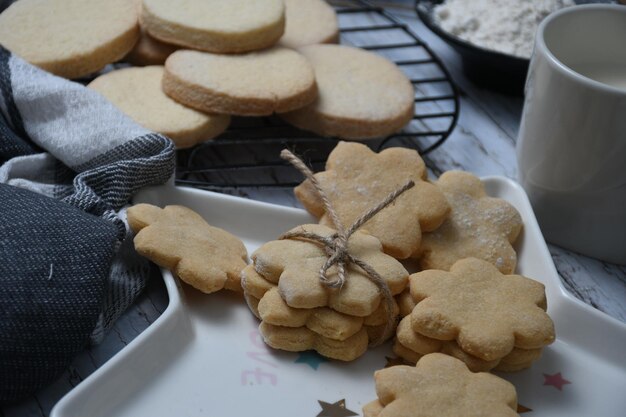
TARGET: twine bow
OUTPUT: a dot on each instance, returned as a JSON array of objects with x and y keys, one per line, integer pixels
[{"x": 336, "y": 245}]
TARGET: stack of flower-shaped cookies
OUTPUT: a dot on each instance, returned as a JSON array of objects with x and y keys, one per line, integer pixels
[
  {"x": 478, "y": 315},
  {"x": 298, "y": 312}
]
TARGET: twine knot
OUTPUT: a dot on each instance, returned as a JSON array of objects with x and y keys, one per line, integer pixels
[{"x": 336, "y": 245}]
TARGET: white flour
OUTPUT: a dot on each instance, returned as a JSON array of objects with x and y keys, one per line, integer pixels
[{"x": 507, "y": 26}]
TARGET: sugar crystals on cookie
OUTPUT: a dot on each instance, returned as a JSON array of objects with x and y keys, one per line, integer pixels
[{"x": 479, "y": 226}]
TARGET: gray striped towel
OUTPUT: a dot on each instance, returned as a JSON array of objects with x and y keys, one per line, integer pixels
[{"x": 68, "y": 144}]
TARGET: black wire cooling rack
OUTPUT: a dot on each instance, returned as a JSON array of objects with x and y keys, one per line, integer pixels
[{"x": 247, "y": 154}]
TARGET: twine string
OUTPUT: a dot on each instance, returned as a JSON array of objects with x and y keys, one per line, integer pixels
[
  {"x": 306, "y": 171},
  {"x": 336, "y": 245}
]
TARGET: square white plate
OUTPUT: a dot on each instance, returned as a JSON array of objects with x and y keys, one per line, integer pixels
[{"x": 204, "y": 355}]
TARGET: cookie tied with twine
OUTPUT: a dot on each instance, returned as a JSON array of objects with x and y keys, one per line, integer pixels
[{"x": 337, "y": 248}]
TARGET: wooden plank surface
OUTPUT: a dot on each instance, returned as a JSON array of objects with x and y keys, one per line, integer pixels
[{"x": 482, "y": 143}]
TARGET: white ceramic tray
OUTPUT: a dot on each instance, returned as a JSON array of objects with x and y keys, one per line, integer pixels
[{"x": 204, "y": 355}]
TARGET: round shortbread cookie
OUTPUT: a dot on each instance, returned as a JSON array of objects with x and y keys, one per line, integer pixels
[
  {"x": 137, "y": 92},
  {"x": 253, "y": 84},
  {"x": 221, "y": 26},
  {"x": 70, "y": 38},
  {"x": 361, "y": 95},
  {"x": 309, "y": 22},
  {"x": 149, "y": 51}
]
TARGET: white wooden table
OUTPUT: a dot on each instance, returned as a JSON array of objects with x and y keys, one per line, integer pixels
[{"x": 482, "y": 143}]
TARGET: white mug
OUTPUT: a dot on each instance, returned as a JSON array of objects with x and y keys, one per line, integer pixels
[{"x": 571, "y": 149}]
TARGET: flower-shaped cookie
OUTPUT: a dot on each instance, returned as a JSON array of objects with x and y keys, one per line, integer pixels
[
  {"x": 177, "y": 238},
  {"x": 486, "y": 312},
  {"x": 322, "y": 320},
  {"x": 357, "y": 179},
  {"x": 441, "y": 386},
  {"x": 419, "y": 345},
  {"x": 272, "y": 309},
  {"x": 298, "y": 339},
  {"x": 405, "y": 302},
  {"x": 294, "y": 265},
  {"x": 478, "y": 226}
]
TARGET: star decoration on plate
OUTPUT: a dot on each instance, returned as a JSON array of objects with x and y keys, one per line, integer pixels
[
  {"x": 311, "y": 358},
  {"x": 337, "y": 409},
  {"x": 556, "y": 380},
  {"x": 394, "y": 361},
  {"x": 523, "y": 409}
]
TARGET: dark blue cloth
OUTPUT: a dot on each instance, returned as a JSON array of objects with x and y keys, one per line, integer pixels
[{"x": 54, "y": 261}]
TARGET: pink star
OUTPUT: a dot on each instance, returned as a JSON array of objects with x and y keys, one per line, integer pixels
[{"x": 556, "y": 380}]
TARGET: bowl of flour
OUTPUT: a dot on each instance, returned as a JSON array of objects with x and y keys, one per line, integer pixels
[{"x": 495, "y": 38}]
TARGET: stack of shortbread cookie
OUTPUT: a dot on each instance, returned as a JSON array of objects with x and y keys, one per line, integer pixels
[
  {"x": 297, "y": 312},
  {"x": 478, "y": 315},
  {"x": 212, "y": 59}
]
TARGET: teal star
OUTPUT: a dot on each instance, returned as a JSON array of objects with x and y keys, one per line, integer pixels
[
  {"x": 337, "y": 409},
  {"x": 311, "y": 358}
]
